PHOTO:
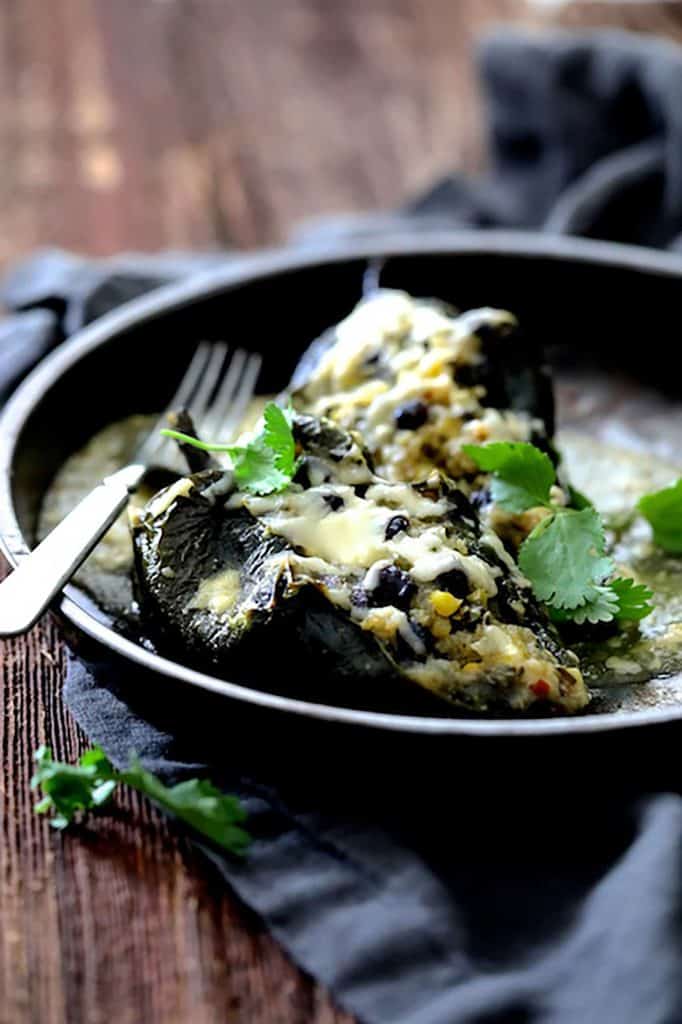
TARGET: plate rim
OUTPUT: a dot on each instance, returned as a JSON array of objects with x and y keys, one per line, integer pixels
[{"x": 247, "y": 267}]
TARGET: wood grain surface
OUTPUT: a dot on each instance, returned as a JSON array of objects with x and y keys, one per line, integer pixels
[{"x": 141, "y": 124}]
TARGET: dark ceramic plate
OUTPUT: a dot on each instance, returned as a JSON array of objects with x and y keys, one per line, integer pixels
[{"x": 609, "y": 314}]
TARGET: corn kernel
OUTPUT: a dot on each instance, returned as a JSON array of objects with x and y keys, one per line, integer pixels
[
  {"x": 441, "y": 628},
  {"x": 366, "y": 394},
  {"x": 444, "y": 603},
  {"x": 434, "y": 368}
]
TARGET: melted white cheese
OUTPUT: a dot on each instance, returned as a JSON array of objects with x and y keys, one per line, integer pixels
[
  {"x": 165, "y": 499},
  {"x": 353, "y": 536},
  {"x": 497, "y": 425},
  {"x": 428, "y": 553},
  {"x": 405, "y": 498},
  {"x": 217, "y": 594}
]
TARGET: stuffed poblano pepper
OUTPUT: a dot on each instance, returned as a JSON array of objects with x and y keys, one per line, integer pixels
[{"x": 359, "y": 581}]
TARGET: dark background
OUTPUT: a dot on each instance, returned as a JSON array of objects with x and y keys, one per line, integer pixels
[{"x": 143, "y": 124}]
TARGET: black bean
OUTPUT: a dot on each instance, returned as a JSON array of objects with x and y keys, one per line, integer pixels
[
  {"x": 455, "y": 582},
  {"x": 411, "y": 415},
  {"x": 472, "y": 375},
  {"x": 396, "y": 525},
  {"x": 334, "y": 501},
  {"x": 393, "y": 587},
  {"x": 302, "y": 475}
]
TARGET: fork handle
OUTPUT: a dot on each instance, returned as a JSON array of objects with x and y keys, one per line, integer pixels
[{"x": 40, "y": 575}]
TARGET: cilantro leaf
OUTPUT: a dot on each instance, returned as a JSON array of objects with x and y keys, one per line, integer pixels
[
  {"x": 577, "y": 499},
  {"x": 633, "y": 599},
  {"x": 601, "y": 605},
  {"x": 88, "y": 784},
  {"x": 663, "y": 510},
  {"x": 564, "y": 557},
  {"x": 266, "y": 464},
  {"x": 255, "y": 470},
  {"x": 523, "y": 475},
  {"x": 197, "y": 802},
  {"x": 70, "y": 788},
  {"x": 279, "y": 438},
  {"x": 621, "y": 599}
]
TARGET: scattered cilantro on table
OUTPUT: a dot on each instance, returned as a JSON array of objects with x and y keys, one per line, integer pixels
[
  {"x": 72, "y": 788},
  {"x": 564, "y": 557},
  {"x": 69, "y": 788},
  {"x": 267, "y": 463}
]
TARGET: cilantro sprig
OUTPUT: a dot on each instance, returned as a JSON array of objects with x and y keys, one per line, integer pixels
[
  {"x": 663, "y": 510},
  {"x": 523, "y": 475},
  {"x": 70, "y": 789},
  {"x": 266, "y": 464},
  {"x": 564, "y": 557}
]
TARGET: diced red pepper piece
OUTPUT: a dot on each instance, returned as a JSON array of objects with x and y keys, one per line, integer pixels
[{"x": 540, "y": 689}]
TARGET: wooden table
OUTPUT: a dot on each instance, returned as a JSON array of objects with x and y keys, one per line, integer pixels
[{"x": 141, "y": 124}]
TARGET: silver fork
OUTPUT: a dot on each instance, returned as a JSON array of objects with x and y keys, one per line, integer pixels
[{"x": 216, "y": 391}]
